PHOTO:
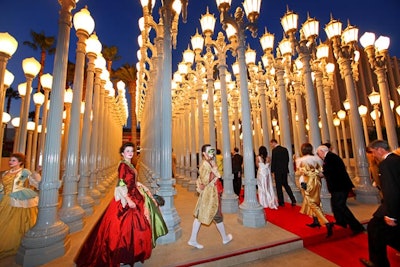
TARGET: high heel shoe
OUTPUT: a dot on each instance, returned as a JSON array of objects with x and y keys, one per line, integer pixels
[
  {"x": 314, "y": 224},
  {"x": 329, "y": 229}
]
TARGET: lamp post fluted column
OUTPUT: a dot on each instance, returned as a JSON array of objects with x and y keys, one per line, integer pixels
[
  {"x": 327, "y": 83},
  {"x": 93, "y": 46},
  {"x": 229, "y": 201},
  {"x": 8, "y": 46},
  {"x": 377, "y": 56},
  {"x": 166, "y": 181},
  {"x": 31, "y": 68},
  {"x": 49, "y": 235},
  {"x": 70, "y": 212},
  {"x": 251, "y": 213},
  {"x": 284, "y": 121},
  {"x": 343, "y": 52}
]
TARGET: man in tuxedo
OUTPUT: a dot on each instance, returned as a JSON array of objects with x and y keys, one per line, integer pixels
[
  {"x": 383, "y": 228},
  {"x": 280, "y": 170},
  {"x": 237, "y": 161},
  {"x": 339, "y": 185}
]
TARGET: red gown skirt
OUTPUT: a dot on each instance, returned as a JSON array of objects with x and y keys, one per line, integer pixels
[{"x": 122, "y": 235}]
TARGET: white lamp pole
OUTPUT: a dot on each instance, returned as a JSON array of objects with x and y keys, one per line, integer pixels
[
  {"x": 8, "y": 46},
  {"x": 31, "y": 68},
  {"x": 49, "y": 232},
  {"x": 93, "y": 47},
  {"x": 70, "y": 212},
  {"x": 375, "y": 98},
  {"x": 344, "y": 53},
  {"x": 46, "y": 80},
  {"x": 363, "y": 112},
  {"x": 251, "y": 213},
  {"x": 38, "y": 99},
  {"x": 377, "y": 54}
]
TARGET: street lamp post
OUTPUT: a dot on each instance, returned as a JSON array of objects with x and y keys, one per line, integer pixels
[
  {"x": 251, "y": 213},
  {"x": 342, "y": 116},
  {"x": 344, "y": 53},
  {"x": 375, "y": 98},
  {"x": 70, "y": 212},
  {"x": 46, "y": 81},
  {"x": 15, "y": 124},
  {"x": 377, "y": 58},
  {"x": 49, "y": 233},
  {"x": 304, "y": 48},
  {"x": 8, "y": 80},
  {"x": 31, "y": 68},
  {"x": 38, "y": 99},
  {"x": 30, "y": 127},
  {"x": 363, "y": 112},
  {"x": 93, "y": 47},
  {"x": 229, "y": 199},
  {"x": 8, "y": 46},
  {"x": 336, "y": 123},
  {"x": 169, "y": 13}
]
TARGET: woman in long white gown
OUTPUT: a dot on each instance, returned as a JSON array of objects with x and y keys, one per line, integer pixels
[{"x": 266, "y": 193}]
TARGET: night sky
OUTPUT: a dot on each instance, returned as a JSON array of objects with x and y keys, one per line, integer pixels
[{"x": 117, "y": 24}]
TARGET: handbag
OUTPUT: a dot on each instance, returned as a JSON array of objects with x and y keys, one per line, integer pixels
[{"x": 159, "y": 199}]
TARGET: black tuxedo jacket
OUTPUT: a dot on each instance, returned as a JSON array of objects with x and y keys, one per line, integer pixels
[
  {"x": 389, "y": 172},
  {"x": 335, "y": 173},
  {"x": 280, "y": 160},
  {"x": 237, "y": 161}
]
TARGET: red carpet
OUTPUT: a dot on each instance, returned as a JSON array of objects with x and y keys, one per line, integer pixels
[
  {"x": 341, "y": 248},
  {"x": 347, "y": 251}
]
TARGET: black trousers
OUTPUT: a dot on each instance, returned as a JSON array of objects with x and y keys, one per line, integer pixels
[
  {"x": 237, "y": 183},
  {"x": 342, "y": 213},
  {"x": 281, "y": 181},
  {"x": 379, "y": 236}
]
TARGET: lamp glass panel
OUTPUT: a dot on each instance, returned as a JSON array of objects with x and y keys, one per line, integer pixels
[
  {"x": 8, "y": 44},
  {"x": 83, "y": 21},
  {"x": 350, "y": 34},
  {"x": 207, "y": 22},
  {"x": 322, "y": 51},
  {"x": 333, "y": 28},
  {"x": 382, "y": 43},
  {"x": 310, "y": 28},
  {"x": 267, "y": 41},
  {"x": 289, "y": 21},
  {"x": 367, "y": 39}
]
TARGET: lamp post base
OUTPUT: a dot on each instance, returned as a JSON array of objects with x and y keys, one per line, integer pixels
[
  {"x": 43, "y": 245},
  {"x": 367, "y": 195},
  {"x": 252, "y": 217},
  {"x": 229, "y": 203}
]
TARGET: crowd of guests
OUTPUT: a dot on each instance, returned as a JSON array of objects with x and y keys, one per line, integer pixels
[{"x": 136, "y": 219}]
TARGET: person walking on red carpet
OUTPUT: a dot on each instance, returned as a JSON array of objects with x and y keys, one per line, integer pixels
[
  {"x": 280, "y": 170},
  {"x": 384, "y": 229},
  {"x": 309, "y": 167},
  {"x": 339, "y": 186},
  {"x": 208, "y": 206}
]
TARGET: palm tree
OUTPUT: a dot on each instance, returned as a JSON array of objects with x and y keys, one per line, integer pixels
[
  {"x": 46, "y": 44},
  {"x": 110, "y": 54},
  {"x": 127, "y": 74},
  {"x": 10, "y": 95}
]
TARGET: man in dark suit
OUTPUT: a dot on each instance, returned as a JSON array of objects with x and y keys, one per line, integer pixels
[
  {"x": 237, "y": 161},
  {"x": 339, "y": 185},
  {"x": 280, "y": 170},
  {"x": 383, "y": 228}
]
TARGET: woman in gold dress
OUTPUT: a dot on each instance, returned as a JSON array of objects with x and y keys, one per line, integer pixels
[
  {"x": 18, "y": 204},
  {"x": 309, "y": 168}
]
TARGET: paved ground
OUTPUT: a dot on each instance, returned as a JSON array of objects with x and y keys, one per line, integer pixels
[{"x": 244, "y": 239}]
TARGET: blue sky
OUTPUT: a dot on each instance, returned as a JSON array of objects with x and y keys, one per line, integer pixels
[{"x": 117, "y": 24}]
